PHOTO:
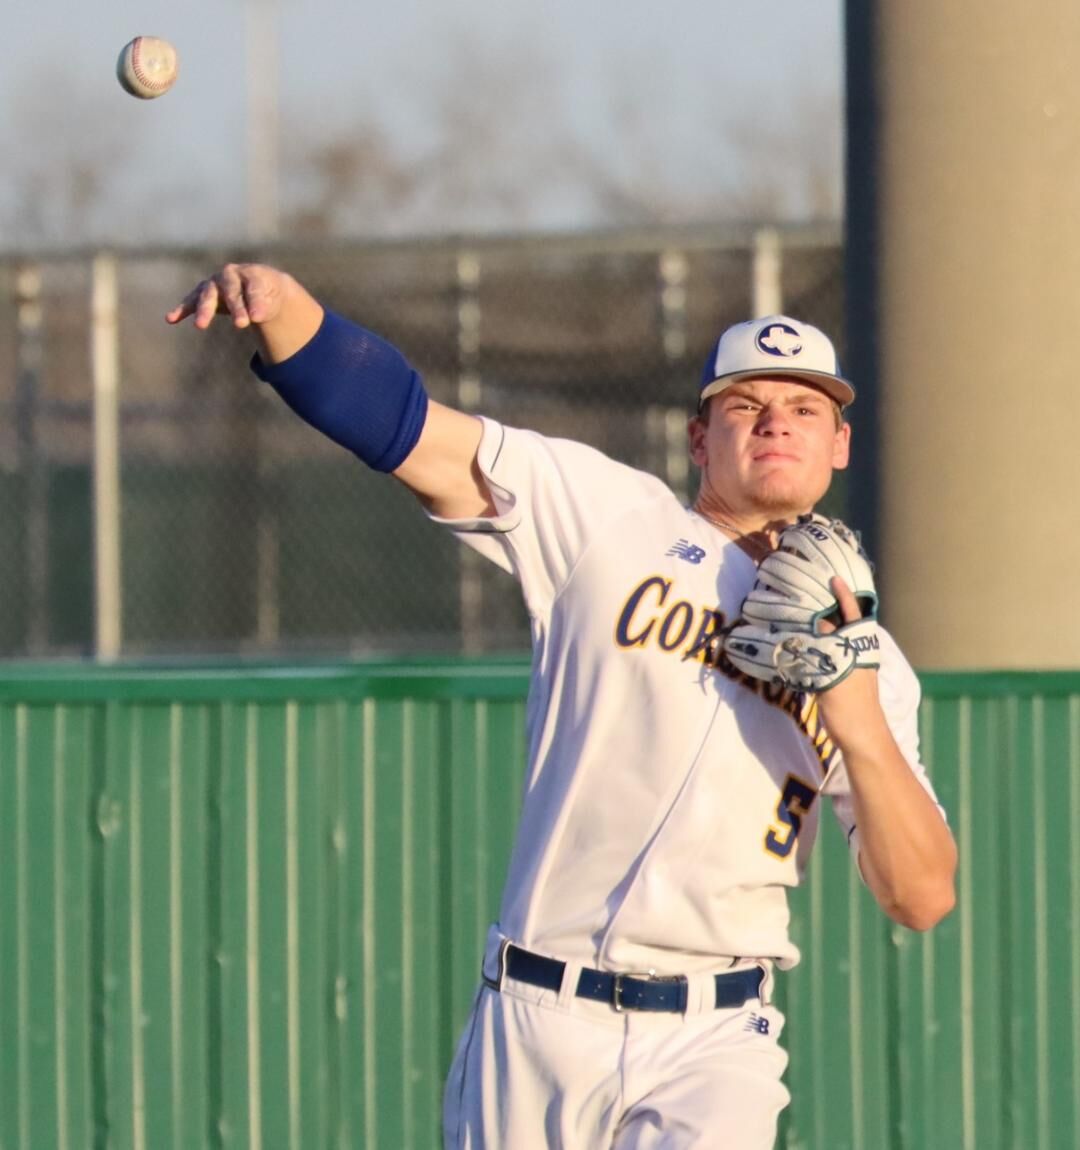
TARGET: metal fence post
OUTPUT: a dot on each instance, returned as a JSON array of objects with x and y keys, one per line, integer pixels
[
  {"x": 262, "y": 65},
  {"x": 768, "y": 295},
  {"x": 267, "y": 540},
  {"x": 105, "y": 364},
  {"x": 468, "y": 397},
  {"x": 30, "y": 355},
  {"x": 666, "y": 426}
]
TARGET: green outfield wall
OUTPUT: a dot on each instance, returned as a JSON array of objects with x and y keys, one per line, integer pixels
[{"x": 243, "y": 907}]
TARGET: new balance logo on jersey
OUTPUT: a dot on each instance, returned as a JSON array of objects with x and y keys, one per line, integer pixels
[
  {"x": 758, "y": 1024},
  {"x": 684, "y": 549}
]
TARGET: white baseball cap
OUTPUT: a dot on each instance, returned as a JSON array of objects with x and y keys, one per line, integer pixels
[{"x": 775, "y": 345}]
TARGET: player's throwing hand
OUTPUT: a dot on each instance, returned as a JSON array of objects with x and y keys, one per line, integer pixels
[
  {"x": 283, "y": 314},
  {"x": 250, "y": 293}
]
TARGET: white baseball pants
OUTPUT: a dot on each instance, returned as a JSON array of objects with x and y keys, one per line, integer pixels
[{"x": 538, "y": 1069}]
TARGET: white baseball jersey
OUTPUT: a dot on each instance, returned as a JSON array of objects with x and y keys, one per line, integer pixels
[{"x": 668, "y": 805}]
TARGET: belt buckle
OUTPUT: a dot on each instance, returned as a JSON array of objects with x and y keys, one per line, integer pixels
[{"x": 617, "y": 984}]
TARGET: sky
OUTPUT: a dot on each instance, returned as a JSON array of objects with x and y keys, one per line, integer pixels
[{"x": 473, "y": 116}]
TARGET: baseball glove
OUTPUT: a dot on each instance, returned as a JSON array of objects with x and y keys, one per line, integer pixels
[
  {"x": 780, "y": 636},
  {"x": 792, "y": 588}
]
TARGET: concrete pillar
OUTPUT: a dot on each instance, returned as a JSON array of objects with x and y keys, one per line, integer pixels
[{"x": 963, "y": 323}]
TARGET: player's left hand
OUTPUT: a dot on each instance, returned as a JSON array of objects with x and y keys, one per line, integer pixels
[
  {"x": 850, "y": 611},
  {"x": 794, "y": 628},
  {"x": 817, "y": 659},
  {"x": 846, "y": 707}
]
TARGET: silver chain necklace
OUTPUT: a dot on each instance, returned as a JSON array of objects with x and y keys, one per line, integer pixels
[
  {"x": 750, "y": 541},
  {"x": 718, "y": 522}
]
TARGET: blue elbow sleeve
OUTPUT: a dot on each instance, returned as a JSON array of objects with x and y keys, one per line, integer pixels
[{"x": 355, "y": 388}]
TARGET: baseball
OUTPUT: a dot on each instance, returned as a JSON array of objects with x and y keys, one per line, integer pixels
[{"x": 147, "y": 67}]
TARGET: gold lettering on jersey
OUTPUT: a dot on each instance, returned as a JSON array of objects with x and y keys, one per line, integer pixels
[
  {"x": 654, "y": 587},
  {"x": 646, "y": 614},
  {"x": 800, "y": 705},
  {"x": 796, "y": 799},
  {"x": 676, "y": 626}
]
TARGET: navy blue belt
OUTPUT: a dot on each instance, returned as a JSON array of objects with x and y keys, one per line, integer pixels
[{"x": 637, "y": 991}]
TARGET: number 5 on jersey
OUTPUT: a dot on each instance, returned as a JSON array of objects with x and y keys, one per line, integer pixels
[{"x": 795, "y": 802}]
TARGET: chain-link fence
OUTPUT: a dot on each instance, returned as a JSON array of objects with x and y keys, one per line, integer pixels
[{"x": 156, "y": 499}]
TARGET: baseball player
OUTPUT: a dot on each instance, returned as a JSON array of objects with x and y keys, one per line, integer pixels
[{"x": 692, "y": 707}]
